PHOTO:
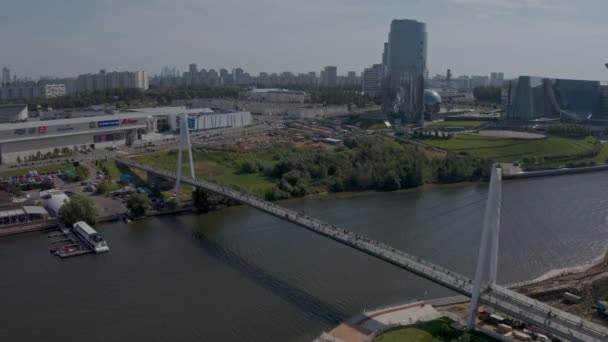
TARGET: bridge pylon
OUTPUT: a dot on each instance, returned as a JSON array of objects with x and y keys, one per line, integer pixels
[
  {"x": 489, "y": 244},
  {"x": 184, "y": 141}
]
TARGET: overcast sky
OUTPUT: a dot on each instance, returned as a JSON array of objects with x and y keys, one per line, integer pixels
[{"x": 558, "y": 38}]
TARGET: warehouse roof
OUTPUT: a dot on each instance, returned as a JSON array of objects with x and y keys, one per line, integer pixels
[
  {"x": 171, "y": 110},
  {"x": 34, "y": 210},
  {"x": 11, "y": 109}
]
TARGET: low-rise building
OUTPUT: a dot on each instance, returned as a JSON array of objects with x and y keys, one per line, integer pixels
[
  {"x": 13, "y": 113},
  {"x": 25, "y": 139}
]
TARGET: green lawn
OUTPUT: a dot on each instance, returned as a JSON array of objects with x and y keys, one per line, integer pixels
[
  {"x": 45, "y": 168},
  {"x": 365, "y": 123},
  {"x": 438, "y": 330},
  {"x": 466, "y": 124},
  {"x": 509, "y": 150},
  {"x": 222, "y": 167},
  {"x": 111, "y": 166}
]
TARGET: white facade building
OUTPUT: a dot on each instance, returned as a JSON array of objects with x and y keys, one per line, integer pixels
[
  {"x": 207, "y": 120},
  {"x": 49, "y": 91}
]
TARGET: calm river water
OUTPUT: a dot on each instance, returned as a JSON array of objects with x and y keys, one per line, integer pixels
[{"x": 241, "y": 275}]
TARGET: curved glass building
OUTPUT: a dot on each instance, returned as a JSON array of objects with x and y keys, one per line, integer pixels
[
  {"x": 571, "y": 100},
  {"x": 405, "y": 63}
]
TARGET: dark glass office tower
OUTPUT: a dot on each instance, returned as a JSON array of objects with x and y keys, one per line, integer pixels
[{"x": 406, "y": 64}]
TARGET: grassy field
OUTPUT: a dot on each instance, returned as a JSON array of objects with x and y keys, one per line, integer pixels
[
  {"x": 509, "y": 150},
  {"x": 365, "y": 123},
  {"x": 222, "y": 167},
  {"x": 433, "y": 331},
  {"x": 44, "y": 168},
  {"x": 111, "y": 166},
  {"x": 466, "y": 124}
]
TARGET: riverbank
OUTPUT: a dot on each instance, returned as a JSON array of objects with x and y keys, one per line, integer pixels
[
  {"x": 589, "y": 281},
  {"x": 555, "y": 172}
]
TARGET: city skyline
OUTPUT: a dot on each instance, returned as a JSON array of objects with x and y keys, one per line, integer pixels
[{"x": 61, "y": 39}]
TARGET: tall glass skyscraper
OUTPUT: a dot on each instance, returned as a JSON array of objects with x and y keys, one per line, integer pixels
[{"x": 406, "y": 65}]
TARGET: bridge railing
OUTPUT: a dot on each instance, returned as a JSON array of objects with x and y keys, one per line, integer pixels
[{"x": 415, "y": 263}]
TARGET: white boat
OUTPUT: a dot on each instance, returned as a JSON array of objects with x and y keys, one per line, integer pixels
[{"x": 90, "y": 236}]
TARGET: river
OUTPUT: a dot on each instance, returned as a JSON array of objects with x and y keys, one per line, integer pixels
[{"x": 241, "y": 275}]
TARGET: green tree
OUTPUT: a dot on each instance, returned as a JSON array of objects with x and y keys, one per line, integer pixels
[
  {"x": 138, "y": 204},
  {"x": 47, "y": 184},
  {"x": 78, "y": 208},
  {"x": 488, "y": 94}
]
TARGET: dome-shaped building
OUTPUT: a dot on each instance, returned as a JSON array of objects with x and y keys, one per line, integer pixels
[{"x": 432, "y": 103}]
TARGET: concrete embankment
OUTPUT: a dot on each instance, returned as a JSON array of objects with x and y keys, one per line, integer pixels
[
  {"x": 28, "y": 227},
  {"x": 556, "y": 172}
]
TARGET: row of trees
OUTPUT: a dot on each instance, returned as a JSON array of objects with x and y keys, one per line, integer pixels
[
  {"x": 569, "y": 131},
  {"x": 491, "y": 94},
  {"x": 56, "y": 153},
  {"x": 124, "y": 98}
]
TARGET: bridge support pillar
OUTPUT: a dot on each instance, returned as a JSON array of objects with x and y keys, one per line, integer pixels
[
  {"x": 184, "y": 140},
  {"x": 489, "y": 244}
]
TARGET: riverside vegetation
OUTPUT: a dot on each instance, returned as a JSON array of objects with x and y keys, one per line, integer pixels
[{"x": 364, "y": 163}]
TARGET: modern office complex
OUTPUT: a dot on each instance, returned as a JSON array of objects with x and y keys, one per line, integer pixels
[
  {"x": 531, "y": 98},
  {"x": 403, "y": 94}
]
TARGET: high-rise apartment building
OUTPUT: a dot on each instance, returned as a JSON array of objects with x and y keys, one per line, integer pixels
[
  {"x": 497, "y": 78},
  {"x": 372, "y": 80},
  {"x": 112, "y": 80},
  {"x": 406, "y": 66},
  {"x": 6, "y": 75},
  {"x": 330, "y": 76}
]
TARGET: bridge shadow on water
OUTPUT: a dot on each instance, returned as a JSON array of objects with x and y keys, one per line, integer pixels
[{"x": 307, "y": 303}]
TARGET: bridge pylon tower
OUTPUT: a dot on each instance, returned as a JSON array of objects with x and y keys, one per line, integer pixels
[
  {"x": 184, "y": 141},
  {"x": 489, "y": 244}
]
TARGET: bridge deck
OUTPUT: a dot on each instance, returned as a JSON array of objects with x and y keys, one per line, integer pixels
[{"x": 517, "y": 305}]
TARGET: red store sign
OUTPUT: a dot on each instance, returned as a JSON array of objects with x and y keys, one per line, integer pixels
[{"x": 42, "y": 129}]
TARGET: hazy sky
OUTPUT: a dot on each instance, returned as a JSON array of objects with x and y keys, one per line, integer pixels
[{"x": 560, "y": 38}]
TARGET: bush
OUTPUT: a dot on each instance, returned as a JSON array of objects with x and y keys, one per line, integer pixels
[
  {"x": 78, "y": 208},
  {"x": 138, "y": 204},
  {"x": 249, "y": 166}
]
